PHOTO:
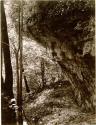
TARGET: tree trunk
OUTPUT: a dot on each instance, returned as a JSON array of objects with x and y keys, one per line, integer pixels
[
  {"x": 83, "y": 88},
  {"x": 8, "y": 114},
  {"x": 26, "y": 84},
  {"x": 6, "y": 51},
  {"x": 25, "y": 80},
  {"x": 43, "y": 73}
]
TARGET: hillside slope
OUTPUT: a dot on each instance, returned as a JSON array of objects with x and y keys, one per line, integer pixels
[{"x": 56, "y": 107}]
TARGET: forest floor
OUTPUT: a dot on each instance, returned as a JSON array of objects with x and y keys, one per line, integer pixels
[{"x": 56, "y": 107}]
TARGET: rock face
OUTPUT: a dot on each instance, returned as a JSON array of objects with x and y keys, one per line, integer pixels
[{"x": 67, "y": 27}]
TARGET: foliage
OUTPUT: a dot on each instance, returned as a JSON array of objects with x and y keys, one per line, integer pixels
[{"x": 70, "y": 22}]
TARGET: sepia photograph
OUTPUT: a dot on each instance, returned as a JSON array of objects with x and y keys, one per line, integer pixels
[{"x": 48, "y": 62}]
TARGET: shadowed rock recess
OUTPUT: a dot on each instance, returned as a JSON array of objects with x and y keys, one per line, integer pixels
[{"x": 67, "y": 28}]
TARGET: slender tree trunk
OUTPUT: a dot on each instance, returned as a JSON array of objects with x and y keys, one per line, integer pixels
[
  {"x": 25, "y": 80},
  {"x": 19, "y": 85},
  {"x": 43, "y": 73},
  {"x": 17, "y": 74},
  {"x": 26, "y": 84},
  {"x": 6, "y": 51}
]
